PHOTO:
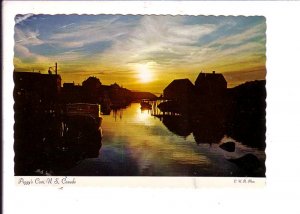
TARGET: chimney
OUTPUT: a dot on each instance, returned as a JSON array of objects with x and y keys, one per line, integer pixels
[{"x": 214, "y": 72}]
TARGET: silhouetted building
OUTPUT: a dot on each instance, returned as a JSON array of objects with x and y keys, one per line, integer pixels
[
  {"x": 72, "y": 93},
  {"x": 179, "y": 90},
  {"x": 50, "y": 137},
  {"x": 210, "y": 83},
  {"x": 92, "y": 88},
  {"x": 92, "y": 83},
  {"x": 119, "y": 96},
  {"x": 36, "y": 96},
  {"x": 36, "y": 88},
  {"x": 68, "y": 86}
]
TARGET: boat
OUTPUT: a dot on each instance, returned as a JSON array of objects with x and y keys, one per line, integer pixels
[
  {"x": 81, "y": 128},
  {"x": 84, "y": 112},
  {"x": 145, "y": 104}
]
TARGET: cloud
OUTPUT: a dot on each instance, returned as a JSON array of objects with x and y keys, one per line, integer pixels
[
  {"x": 23, "y": 53},
  {"x": 27, "y": 37},
  {"x": 20, "y": 18},
  {"x": 242, "y": 37},
  {"x": 80, "y": 35},
  {"x": 66, "y": 26},
  {"x": 159, "y": 38},
  {"x": 170, "y": 44},
  {"x": 247, "y": 47}
]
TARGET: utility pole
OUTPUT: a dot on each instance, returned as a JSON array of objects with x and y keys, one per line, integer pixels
[{"x": 56, "y": 68}]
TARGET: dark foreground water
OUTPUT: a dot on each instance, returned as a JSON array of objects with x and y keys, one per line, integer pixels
[{"x": 135, "y": 143}]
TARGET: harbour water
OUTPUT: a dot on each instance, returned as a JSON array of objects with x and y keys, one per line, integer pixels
[{"x": 136, "y": 143}]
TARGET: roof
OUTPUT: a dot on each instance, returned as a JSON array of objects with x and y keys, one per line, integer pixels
[
  {"x": 20, "y": 74},
  {"x": 210, "y": 77},
  {"x": 180, "y": 83}
]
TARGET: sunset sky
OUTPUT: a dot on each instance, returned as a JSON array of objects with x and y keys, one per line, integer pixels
[{"x": 141, "y": 52}]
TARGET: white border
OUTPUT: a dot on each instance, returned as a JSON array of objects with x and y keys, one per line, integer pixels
[{"x": 282, "y": 191}]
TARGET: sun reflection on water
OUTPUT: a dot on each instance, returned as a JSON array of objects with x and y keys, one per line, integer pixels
[
  {"x": 143, "y": 116},
  {"x": 139, "y": 137}
]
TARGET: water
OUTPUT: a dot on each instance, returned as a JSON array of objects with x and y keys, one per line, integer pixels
[{"x": 136, "y": 143}]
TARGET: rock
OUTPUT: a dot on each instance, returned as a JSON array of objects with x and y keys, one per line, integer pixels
[
  {"x": 228, "y": 146},
  {"x": 248, "y": 162}
]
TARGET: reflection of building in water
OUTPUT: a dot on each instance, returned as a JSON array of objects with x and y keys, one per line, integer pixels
[
  {"x": 208, "y": 131},
  {"x": 179, "y": 125},
  {"x": 118, "y": 113}
]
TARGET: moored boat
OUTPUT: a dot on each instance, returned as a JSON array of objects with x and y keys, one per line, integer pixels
[
  {"x": 145, "y": 104},
  {"x": 84, "y": 110}
]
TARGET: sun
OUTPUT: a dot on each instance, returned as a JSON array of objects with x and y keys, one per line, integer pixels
[{"x": 144, "y": 73}]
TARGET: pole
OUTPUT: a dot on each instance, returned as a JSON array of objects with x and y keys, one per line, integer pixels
[{"x": 56, "y": 68}]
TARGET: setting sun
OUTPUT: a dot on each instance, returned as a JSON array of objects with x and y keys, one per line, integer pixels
[{"x": 144, "y": 73}]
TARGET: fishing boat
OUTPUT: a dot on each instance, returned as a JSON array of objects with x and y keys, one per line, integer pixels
[
  {"x": 84, "y": 110},
  {"x": 145, "y": 104}
]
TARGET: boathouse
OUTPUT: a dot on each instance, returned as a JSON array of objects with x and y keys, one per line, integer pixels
[
  {"x": 210, "y": 83},
  {"x": 179, "y": 90}
]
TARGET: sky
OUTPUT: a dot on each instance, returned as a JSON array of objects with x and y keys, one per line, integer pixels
[{"x": 143, "y": 53}]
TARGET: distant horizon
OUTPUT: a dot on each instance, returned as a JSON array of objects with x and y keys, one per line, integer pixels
[
  {"x": 142, "y": 53},
  {"x": 133, "y": 90}
]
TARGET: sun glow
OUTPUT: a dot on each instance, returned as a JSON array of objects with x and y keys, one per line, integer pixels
[
  {"x": 144, "y": 73},
  {"x": 143, "y": 116}
]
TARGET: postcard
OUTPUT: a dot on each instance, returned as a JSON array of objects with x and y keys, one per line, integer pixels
[
  {"x": 121, "y": 107},
  {"x": 139, "y": 95},
  {"x": 110, "y": 97}
]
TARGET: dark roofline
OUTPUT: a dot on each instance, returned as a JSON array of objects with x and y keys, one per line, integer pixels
[
  {"x": 186, "y": 80},
  {"x": 34, "y": 73},
  {"x": 205, "y": 75},
  {"x": 181, "y": 80}
]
